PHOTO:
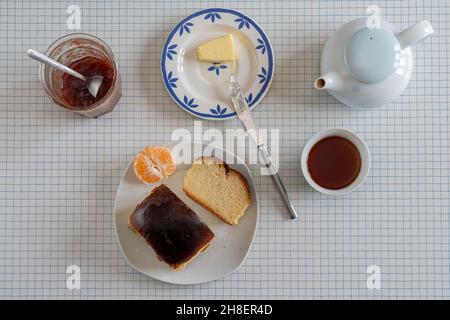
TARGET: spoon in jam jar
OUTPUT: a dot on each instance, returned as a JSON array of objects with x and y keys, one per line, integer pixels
[{"x": 92, "y": 83}]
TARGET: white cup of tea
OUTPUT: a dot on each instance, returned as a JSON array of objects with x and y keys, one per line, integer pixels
[{"x": 335, "y": 161}]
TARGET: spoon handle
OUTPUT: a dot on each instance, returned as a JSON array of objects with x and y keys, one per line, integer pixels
[{"x": 50, "y": 62}]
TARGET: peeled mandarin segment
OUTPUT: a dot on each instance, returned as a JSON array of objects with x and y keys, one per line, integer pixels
[
  {"x": 145, "y": 172},
  {"x": 153, "y": 164},
  {"x": 162, "y": 157}
]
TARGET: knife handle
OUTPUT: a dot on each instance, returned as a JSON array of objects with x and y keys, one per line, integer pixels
[
  {"x": 283, "y": 192},
  {"x": 277, "y": 180}
]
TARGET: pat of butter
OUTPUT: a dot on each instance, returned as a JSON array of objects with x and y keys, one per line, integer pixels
[{"x": 217, "y": 50}]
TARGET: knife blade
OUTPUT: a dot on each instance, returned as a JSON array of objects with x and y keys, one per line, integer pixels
[
  {"x": 244, "y": 114},
  {"x": 242, "y": 110}
]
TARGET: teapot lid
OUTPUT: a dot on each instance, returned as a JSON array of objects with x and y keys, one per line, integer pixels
[{"x": 370, "y": 55}]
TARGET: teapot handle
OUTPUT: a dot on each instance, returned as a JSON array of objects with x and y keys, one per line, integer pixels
[{"x": 414, "y": 34}]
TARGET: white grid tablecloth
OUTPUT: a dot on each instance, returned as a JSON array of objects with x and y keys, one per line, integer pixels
[{"x": 59, "y": 172}]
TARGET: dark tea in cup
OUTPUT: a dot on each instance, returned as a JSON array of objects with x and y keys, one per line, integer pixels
[{"x": 334, "y": 162}]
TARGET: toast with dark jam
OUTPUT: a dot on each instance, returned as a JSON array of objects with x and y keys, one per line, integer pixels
[{"x": 170, "y": 227}]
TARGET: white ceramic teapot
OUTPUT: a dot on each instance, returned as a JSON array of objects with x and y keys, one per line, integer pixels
[{"x": 365, "y": 67}]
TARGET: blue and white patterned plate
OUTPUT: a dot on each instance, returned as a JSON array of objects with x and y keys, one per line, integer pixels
[{"x": 201, "y": 88}]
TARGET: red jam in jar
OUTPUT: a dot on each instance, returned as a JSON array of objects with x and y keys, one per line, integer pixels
[
  {"x": 75, "y": 91},
  {"x": 90, "y": 56}
]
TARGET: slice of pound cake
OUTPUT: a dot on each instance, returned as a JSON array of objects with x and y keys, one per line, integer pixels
[
  {"x": 218, "y": 188},
  {"x": 170, "y": 227}
]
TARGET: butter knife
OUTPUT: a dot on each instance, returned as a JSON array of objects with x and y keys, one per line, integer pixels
[{"x": 243, "y": 113}]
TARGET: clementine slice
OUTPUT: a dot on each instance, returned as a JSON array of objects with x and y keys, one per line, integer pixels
[{"x": 153, "y": 164}]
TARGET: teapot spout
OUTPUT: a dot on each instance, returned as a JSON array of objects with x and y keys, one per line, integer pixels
[{"x": 327, "y": 82}]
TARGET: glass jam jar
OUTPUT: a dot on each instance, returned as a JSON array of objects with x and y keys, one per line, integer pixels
[{"x": 89, "y": 56}]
